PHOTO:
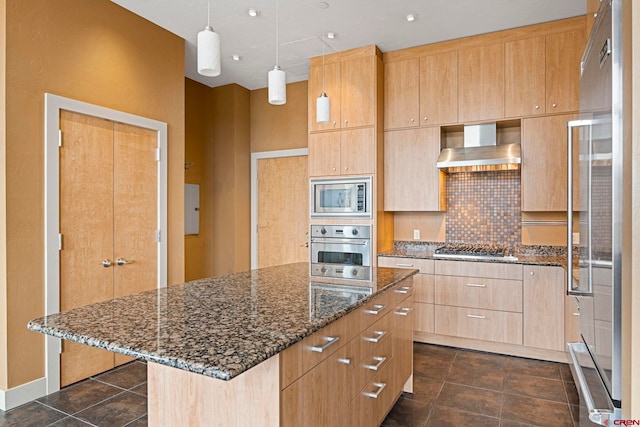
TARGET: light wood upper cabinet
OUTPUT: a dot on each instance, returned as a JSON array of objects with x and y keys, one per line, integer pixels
[
  {"x": 544, "y": 163},
  {"x": 402, "y": 94},
  {"x": 525, "y": 77},
  {"x": 358, "y": 91},
  {"x": 411, "y": 178},
  {"x": 349, "y": 152},
  {"x": 481, "y": 83},
  {"x": 439, "y": 89},
  {"x": 562, "y": 63},
  {"x": 331, "y": 75},
  {"x": 544, "y": 300}
]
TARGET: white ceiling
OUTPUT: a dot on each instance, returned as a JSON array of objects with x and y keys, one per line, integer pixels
[{"x": 357, "y": 22}]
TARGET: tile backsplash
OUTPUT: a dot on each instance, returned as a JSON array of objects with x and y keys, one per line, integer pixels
[{"x": 484, "y": 207}]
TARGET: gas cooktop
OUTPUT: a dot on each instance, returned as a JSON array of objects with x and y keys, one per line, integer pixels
[{"x": 474, "y": 251}]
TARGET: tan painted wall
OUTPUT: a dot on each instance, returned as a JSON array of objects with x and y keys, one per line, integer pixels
[
  {"x": 97, "y": 52},
  {"x": 280, "y": 127},
  {"x": 198, "y": 249},
  {"x": 3, "y": 200}
]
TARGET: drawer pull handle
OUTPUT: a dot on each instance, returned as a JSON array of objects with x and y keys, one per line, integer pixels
[
  {"x": 476, "y": 285},
  {"x": 377, "y": 338},
  {"x": 377, "y": 366},
  {"x": 377, "y": 308},
  {"x": 330, "y": 341},
  {"x": 344, "y": 361},
  {"x": 404, "y": 311},
  {"x": 576, "y": 314},
  {"x": 403, "y": 290},
  {"x": 404, "y": 265},
  {"x": 375, "y": 394},
  {"x": 475, "y": 316}
]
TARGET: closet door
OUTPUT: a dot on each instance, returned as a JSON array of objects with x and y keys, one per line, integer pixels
[
  {"x": 108, "y": 220},
  {"x": 86, "y": 224}
]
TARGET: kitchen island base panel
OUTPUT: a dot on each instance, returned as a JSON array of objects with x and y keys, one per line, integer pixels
[
  {"x": 491, "y": 347},
  {"x": 183, "y": 398}
]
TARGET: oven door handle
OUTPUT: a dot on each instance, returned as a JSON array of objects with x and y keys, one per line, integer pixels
[{"x": 341, "y": 241}]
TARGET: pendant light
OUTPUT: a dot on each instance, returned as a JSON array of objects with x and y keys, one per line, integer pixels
[
  {"x": 208, "y": 49},
  {"x": 323, "y": 103},
  {"x": 277, "y": 77}
]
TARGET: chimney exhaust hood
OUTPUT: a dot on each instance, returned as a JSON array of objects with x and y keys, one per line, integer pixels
[{"x": 480, "y": 152}]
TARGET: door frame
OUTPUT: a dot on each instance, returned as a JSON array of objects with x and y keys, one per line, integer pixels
[
  {"x": 260, "y": 155},
  {"x": 53, "y": 104}
]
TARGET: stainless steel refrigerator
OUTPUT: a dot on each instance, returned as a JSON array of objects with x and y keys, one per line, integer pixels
[{"x": 595, "y": 145}]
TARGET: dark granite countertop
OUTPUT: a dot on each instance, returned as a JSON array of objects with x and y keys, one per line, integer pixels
[
  {"x": 218, "y": 327},
  {"x": 525, "y": 254}
]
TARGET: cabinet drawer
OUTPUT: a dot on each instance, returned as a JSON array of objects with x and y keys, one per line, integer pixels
[
  {"x": 372, "y": 338},
  {"x": 424, "y": 265},
  {"x": 371, "y": 364},
  {"x": 401, "y": 291},
  {"x": 376, "y": 309},
  {"x": 424, "y": 317},
  {"x": 479, "y": 269},
  {"x": 488, "y": 325},
  {"x": 478, "y": 292},
  {"x": 305, "y": 354},
  {"x": 423, "y": 287}
]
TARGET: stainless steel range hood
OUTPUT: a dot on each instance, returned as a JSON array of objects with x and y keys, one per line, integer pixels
[{"x": 480, "y": 152}]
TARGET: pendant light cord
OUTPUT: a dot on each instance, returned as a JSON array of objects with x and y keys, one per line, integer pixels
[
  {"x": 208, "y": 13},
  {"x": 277, "y": 43},
  {"x": 323, "y": 70}
]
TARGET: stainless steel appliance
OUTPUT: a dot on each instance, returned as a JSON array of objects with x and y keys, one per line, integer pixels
[
  {"x": 340, "y": 197},
  {"x": 342, "y": 251},
  {"x": 595, "y": 184},
  {"x": 474, "y": 251}
]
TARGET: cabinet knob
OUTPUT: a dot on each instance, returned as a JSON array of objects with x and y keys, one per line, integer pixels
[
  {"x": 554, "y": 105},
  {"x": 532, "y": 273},
  {"x": 334, "y": 123},
  {"x": 411, "y": 120},
  {"x": 537, "y": 107},
  {"x": 333, "y": 169},
  {"x": 346, "y": 168},
  {"x": 346, "y": 122},
  {"x": 426, "y": 118}
]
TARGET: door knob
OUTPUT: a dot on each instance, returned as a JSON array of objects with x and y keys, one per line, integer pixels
[
  {"x": 122, "y": 261},
  {"x": 106, "y": 263}
]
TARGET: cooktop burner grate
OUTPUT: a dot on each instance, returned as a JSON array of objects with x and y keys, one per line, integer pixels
[{"x": 474, "y": 251}]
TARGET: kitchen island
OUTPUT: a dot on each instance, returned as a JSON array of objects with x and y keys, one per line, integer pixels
[{"x": 237, "y": 349}]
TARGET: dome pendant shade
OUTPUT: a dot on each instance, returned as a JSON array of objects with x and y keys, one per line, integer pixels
[
  {"x": 323, "y": 109},
  {"x": 209, "y": 52},
  {"x": 277, "y": 86}
]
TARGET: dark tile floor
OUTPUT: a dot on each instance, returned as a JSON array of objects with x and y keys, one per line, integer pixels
[{"x": 452, "y": 387}]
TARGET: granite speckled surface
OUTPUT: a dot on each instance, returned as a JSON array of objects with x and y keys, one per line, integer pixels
[
  {"x": 526, "y": 254},
  {"x": 218, "y": 327}
]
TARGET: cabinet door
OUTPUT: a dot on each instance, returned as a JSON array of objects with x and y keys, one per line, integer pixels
[
  {"x": 358, "y": 91},
  {"x": 357, "y": 151},
  {"x": 563, "y": 55},
  {"x": 439, "y": 89},
  {"x": 331, "y": 75},
  {"x": 525, "y": 77},
  {"x": 544, "y": 307},
  {"x": 402, "y": 94},
  {"x": 411, "y": 178},
  {"x": 481, "y": 83},
  {"x": 544, "y": 163},
  {"x": 403, "y": 342},
  {"x": 324, "y": 153},
  {"x": 306, "y": 400}
]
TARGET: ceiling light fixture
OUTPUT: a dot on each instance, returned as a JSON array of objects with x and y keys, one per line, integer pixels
[
  {"x": 277, "y": 78},
  {"x": 209, "y": 49},
  {"x": 323, "y": 103},
  {"x": 332, "y": 35},
  {"x": 253, "y": 12},
  {"x": 410, "y": 17}
]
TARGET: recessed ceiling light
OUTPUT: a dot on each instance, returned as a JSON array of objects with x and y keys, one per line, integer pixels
[
  {"x": 410, "y": 17},
  {"x": 323, "y": 5},
  {"x": 253, "y": 12},
  {"x": 332, "y": 35},
  {"x": 236, "y": 57}
]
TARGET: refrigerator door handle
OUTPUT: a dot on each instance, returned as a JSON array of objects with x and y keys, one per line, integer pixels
[{"x": 603, "y": 417}]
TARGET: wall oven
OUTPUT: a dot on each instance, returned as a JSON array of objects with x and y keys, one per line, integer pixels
[
  {"x": 340, "y": 197},
  {"x": 341, "y": 251}
]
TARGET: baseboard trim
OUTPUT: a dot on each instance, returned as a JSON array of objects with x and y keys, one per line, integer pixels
[{"x": 22, "y": 394}]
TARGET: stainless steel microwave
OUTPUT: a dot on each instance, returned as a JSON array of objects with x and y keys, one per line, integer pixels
[{"x": 349, "y": 197}]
